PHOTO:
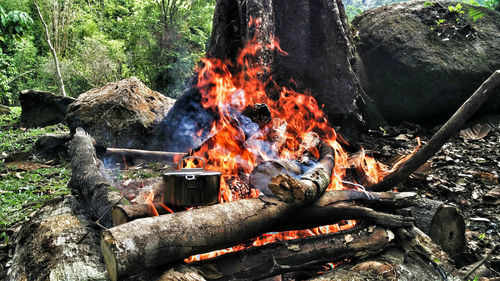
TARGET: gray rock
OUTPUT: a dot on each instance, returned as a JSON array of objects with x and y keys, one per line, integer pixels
[
  {"x": 4, "y": 110},
  {"x": 421, "y": 71},
  {"x": 40, "y": 109},
  {"x": 121, "y": 114}
]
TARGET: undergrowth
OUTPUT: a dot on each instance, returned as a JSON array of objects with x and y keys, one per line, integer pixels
[{"x": 26, "y": 183}]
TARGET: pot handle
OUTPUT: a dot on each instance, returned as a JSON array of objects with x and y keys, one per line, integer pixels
[{"x": 179, "y": 164}]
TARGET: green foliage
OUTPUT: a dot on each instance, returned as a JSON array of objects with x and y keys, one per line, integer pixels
[
  {"x": 428, "y": 4},
  {"x": 440, "y": 22},
  {"x": 352, "y": 11},
  {"x": 475, "y": 14},
  {"x": 14, "y": 138},
  {"x": 22, "y": 191},
  {"x": 13, "y": 23},
  {"x": 456, "y": 9}
]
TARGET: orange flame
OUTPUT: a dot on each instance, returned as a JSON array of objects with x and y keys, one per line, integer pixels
[
  {"x": 297, "y": 124},
  {"x": 297, "y": 120}
]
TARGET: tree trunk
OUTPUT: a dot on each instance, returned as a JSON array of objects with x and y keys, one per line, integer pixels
[
  {"x": 53, "y": 51},
  {"x": 320, "y": 60}
]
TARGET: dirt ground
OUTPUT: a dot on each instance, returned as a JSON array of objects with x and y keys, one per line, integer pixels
[{"x": 464, "y": 173}]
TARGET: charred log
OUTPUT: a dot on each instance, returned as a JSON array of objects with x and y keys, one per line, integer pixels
[
  {"x": 311, "y": 185},
  {"x": 90, "y": 181},
  {"x": 286, "y": 256},
  {"x": 263, "y": 173}
]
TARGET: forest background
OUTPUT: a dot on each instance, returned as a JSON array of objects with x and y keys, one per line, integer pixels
[{"x": 99, "y": 41}]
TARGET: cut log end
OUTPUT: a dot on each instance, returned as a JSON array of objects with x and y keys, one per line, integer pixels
[
  {"x": 107, "y": 243},
  {"x": 447, "y": 229},
  {"x": 292, "y": 190}
]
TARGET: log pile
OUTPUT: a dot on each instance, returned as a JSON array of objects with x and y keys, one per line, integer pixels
[{"x": 138, "y": 242}]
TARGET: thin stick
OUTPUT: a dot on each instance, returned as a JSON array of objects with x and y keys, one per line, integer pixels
[
  {"x": 470, "y": 106},
  {"x": 143, "y": 153}
]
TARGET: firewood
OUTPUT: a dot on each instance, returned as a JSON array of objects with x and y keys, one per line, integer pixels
[
  {"x": 125, "y": 213},
  {"x": 281, "y": 257},
  {"x": 323, "y": 211},
  {"x": 444, "y": 224},
  {"x": 311, "y": 185},
  {"x": 486, "y": 90},
  {"x": 263, "y": 173},
  {"x": 89, "y": 180},
  {"x": 144, "y": 154},
  {"x": 152, "y": 241}
]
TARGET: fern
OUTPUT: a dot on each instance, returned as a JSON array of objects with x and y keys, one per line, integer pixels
[{"x": 475, "y": 14}]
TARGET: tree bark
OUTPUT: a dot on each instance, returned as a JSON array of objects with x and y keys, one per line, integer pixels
[
  {"x": 311, "y": 185},
  {"x": 90, "y": 181},
  {"x": 53, "y": 51},
  {"x": 323, "y": 211},
  {"x": 444, "y": 224},
  {"x": 441, "y": 137}
]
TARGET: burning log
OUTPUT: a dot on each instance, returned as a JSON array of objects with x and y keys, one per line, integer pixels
[
  {"x": 311, "y": 185},
  {"x": 172, "y": 237},
  {"x": 263, "y": 173},
  {"x": 323, "y": 211},
  {"x": 143, "y": 154},
  {"x": 470, "y": 106},
  {"x": 89, "y": 180},
  {"x": 260, "y": 262}
]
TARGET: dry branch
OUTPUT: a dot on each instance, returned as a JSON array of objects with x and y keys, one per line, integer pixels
[
  {"x": 439, "y": 139},
  {"x": 311, "y": 185},
  {"x": 143, "y": 154},
  {"x": 89, "y": 180}
]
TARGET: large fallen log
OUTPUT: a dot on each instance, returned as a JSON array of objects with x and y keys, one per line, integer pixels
[
  {"x": 323, "y": 211},
  {"x": 486, "y": 90},
  {"x": 311, "y": 184},
  {"x": 90, "y": 181}
]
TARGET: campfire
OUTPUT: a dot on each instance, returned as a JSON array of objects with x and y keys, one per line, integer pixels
[{"x": 283, "y": 177}]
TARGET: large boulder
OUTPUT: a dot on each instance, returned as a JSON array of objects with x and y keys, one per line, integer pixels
[
  {"x": 423, "y": 61},
  {"x": 122, "y": 114},
  {"x": 40, "y": 109}
]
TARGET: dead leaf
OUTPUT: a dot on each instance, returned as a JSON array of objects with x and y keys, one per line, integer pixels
[
  {"x": 492, "y": 196},
  {"x": 27, "y": 165},
  {"x": 476, "y": 132}
]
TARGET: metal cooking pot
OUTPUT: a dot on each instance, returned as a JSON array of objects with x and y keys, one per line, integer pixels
[{"x": 191, "y": 186}]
